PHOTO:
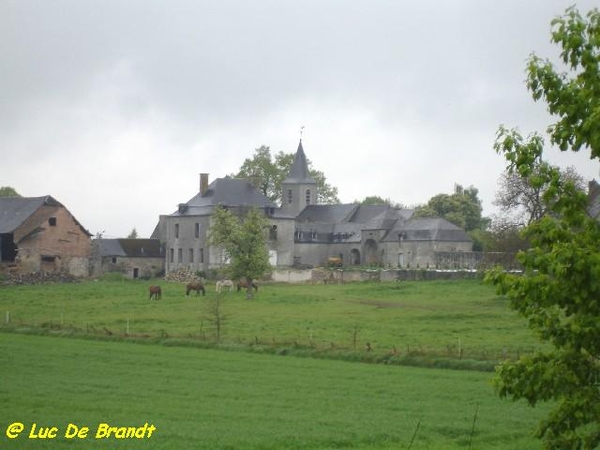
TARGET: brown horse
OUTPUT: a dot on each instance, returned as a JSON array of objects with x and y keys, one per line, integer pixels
[
  {"x": 243, "y": 284},
  {"x": 195, "y": 286},
  {"x": 156, "y": 292}
]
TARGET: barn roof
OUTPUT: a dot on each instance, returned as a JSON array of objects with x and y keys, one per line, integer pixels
[
  {"x": 134, "y": 248},
  {"x": 15, "y": 210}
]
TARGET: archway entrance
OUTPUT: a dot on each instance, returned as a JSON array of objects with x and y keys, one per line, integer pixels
[
  {"x": 355, "y": 257},
  {"x": 371, "y": 257}
]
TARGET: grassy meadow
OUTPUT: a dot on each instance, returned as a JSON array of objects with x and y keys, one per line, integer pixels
[
  {"x": 101, "y": 352},
  {"x": 451, "y": 319},
  {"x": 211, "y": 399}
]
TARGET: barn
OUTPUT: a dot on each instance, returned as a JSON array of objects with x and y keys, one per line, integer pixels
[{"x": 38, "y": 234}]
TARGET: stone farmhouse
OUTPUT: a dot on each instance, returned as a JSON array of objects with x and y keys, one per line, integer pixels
[
  {"x": 134, "y": 258},
  {"x": 38, "y": 234},
  {"x": 303, "y": 233}
]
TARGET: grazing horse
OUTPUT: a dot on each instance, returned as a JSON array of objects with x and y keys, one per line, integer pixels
[
  {"x": 195, "y": 286},
  {"x": 243, "y": 284},
  {"x": 224, "y": 284},
  {"x": 156, "y": 292}
]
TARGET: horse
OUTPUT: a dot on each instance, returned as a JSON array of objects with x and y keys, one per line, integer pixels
[
  {"x": 243, "y": 284},
  {"x": 224, "y": 284},
  {"x": 156, "y": 292},
  {"x": 195, "y": 286}
]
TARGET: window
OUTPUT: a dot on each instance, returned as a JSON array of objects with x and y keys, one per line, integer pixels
[
  {"x": 179, "y": 255},
  {"x": 114, "y": 260},
  {"x": 273, "y": 233},
  {"x": 176, "y": 230},
  {"x": 289, "y": 196},
  {"x": 191, "y": 255},
  {"x": 52, "y": 221},
  {"x": 308, "y": 196},
  {"x": 201, "y": 255},
  {"x": 197, "y": 230},
  {"x": 172, "y": 255}
]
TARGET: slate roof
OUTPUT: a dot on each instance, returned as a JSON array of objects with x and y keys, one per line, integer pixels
[
  {"x": 227, "y": 192},
  {"x": 299, "y": 171},
  {"x": 15, "y": 210},
  {"x": 428, "y": 229},
  {"x": 134, "y": 248},
  {"x": 346, "y": 222},
  {"x": 331, "y": 214}
]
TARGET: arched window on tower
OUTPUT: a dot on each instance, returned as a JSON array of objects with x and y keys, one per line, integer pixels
[{"x": 308, "y": 196}]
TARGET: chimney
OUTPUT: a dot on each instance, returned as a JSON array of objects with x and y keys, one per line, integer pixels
[{"x": 203, "y": 183}]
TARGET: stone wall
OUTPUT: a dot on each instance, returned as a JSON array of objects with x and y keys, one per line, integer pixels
[{"x": 340, "y": 276}]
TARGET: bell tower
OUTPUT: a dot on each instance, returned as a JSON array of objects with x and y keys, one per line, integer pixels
[{"x": 299, "y": 188}]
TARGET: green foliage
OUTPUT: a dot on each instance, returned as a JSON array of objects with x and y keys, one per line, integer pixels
[
  {"x": 376, "y": 200},
  {"x": 7, "y": 191},
  {"x": 559, "y": 292},
  {"x": 133, "y": 234},
  {"x": 520, "y": 199},
  {"x": 206, "y": 399},
  {"x": 267, "y": 173},
  {"x": 243, "y": 241},
  {"x": 462, "y": 208}
]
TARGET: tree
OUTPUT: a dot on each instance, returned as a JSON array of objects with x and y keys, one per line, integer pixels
[
  {"x": 244, "y": 243},
  {"x": 267, "y": 174},
  {"x": 376, "y": 200},
  {"x": 462, "y": 208},
  {"x": 7, "y": 191},
  {"x": 133, "y": 234},
  {"x": 559, "y": 290},
  {"x": 521, "y": 202}
]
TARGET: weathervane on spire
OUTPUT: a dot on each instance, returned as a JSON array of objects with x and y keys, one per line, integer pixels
[{"x": 301, "y": 131}]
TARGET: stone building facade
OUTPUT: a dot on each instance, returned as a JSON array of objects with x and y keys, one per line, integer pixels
[
  {"x": 304, "y": 233},
  {"x": 134, "y": 258}
]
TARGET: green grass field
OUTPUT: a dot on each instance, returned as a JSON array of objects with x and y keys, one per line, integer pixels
[
  {"x": 68, "y": 359},
  {"x": 211, "y": 399},
  {"x": 451, "y": 319}
]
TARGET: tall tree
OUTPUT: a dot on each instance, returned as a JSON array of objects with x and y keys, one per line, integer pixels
[
  {"x": 268, "y": 172},
  {"x": 133, "y": 234},
  {"x": 521, "y": 202},
  {"x": 7, "y": 191},
  {"x": 377, "y": 200},
  {"x": 244, "y": 242},
  {"x": 559, "y": 291},
  {"x": 462, "y": 208}
]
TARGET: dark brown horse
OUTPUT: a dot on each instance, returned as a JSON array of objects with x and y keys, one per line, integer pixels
[
  {"x": 156, "y": 292},
  {"x": 243, "y": 284},
  {"x": 195, "y": 286}
]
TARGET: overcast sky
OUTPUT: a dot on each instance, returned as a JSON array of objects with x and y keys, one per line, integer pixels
[{"x": 115, "y": 107}]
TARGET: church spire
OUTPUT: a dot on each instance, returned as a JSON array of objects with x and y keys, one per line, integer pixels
[
  {"x": 299, "y": 188},
  {"x": 299, "y": 171}
]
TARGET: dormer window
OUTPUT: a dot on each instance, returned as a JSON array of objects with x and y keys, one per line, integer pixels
[{"x": 52, "y": 221}]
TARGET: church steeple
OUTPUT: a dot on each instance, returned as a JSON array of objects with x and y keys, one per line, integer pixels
[
  {"x": 299, "y": 171},
  {"x": 299, "y": 188}
]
